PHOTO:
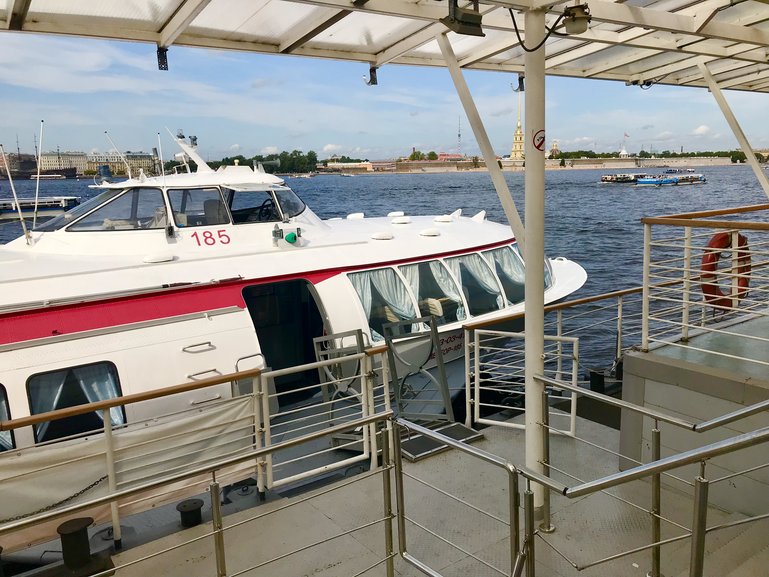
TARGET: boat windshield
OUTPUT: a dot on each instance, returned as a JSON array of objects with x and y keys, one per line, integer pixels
[
  {"x": 289, "y": 202},
  {"x": 64, "y": 219}
]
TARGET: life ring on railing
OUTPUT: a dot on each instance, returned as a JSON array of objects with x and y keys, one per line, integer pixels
[{"x": 710, "y": 289}]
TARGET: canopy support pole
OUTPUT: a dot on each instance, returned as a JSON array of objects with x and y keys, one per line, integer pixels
[
  {"x": 534, "y": 255},
  {"x": 715, "y": 90},
  {"x": 497, "y": 178}
]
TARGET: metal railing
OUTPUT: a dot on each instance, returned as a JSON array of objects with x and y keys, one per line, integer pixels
[
  {"x": 498, "y": 375},
  {"x": 693, "y": 293},
  {"x": 522, "y": 549},
  {"x": 659, "y": 466},
  {"x": 115, "y": 460},
  {"x": 605, "y": 326}
]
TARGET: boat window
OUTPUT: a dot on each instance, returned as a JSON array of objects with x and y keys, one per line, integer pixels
[
  {"x": 249, "y": 206},
  {"x": 71, "y": 387},
  {"x": 290, "y": 203},
  {"x": 6, "y": 437},
  {"x": 198, "y": 207},
  {"x": 509, "y": 268},
  {"x": 70, "y": 216},
  {"x": 548, "y": 267},
  {"x": 548, "y": 273},
  {"x": 437, "y": 293},
  {"x": 135, "y": 209},
  {"x": 384, "y": 297},
  {"x": 477, "y": 282}
]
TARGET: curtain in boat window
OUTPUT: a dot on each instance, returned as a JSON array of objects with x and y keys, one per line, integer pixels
[
  {"x": 447, "y": 284},
  {"x": 510, "y": 272},
  {"x": 395, "y": 294},
  {"x": 70, "y": 387},
  {"x": 362, "y": 286},
  {"x": 6, "y": 439},
  {"x": 431, "y": 280},
  {"x": 384, "y": 297},
  {"x": 477, "y": 282}
]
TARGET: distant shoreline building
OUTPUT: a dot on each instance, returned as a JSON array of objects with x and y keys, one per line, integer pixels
[
  {"x": 56, "y": 160},
  {"x": 136, "y": 160},
  {"x": 517, "y": 152}
]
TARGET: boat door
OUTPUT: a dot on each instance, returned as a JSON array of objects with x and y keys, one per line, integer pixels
[{"x": 287, "y": 318}]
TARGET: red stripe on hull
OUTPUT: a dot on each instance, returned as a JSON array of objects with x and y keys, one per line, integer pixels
[{"x": 75, "y": 318}]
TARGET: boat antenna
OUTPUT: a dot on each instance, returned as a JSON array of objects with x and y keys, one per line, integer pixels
[
  {"x": 39, "y": 152},
  {"x": 160, "y": 157},
  {"x": 122, "y": 156},
  {"x": 15, "y": 198}
]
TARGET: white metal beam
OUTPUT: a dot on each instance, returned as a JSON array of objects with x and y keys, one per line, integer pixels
[
  {"x": 409, "y": 43},
  {"x": 735, "y": 126},
  {"x": 497, "y": 178},
  {"x": 181, "y": 19},
  {"x": 17, "y": 14},
  {"x": 306, "y": 31}
]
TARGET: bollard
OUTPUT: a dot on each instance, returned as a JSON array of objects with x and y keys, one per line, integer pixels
[
  {"x": 75, "y": 548},
  {"x": 190, "y": 512}
]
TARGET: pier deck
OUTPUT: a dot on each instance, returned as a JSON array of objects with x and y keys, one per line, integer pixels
[{"x": 587, "y": 528}]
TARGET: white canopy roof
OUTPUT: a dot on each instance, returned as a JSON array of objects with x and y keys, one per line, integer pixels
[{"x": 635, "y": 41}]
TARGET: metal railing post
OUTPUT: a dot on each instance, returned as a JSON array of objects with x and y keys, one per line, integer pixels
[
  {"x": 216, "y": 520},
  {"x": 687, "y": 283},
  {"x": 388, "y": 505},
  {"x": 656, "y": 505},
  {"x": 109, "y": 453},
  {"x": 574, "y": 383},
  {"x": 735, "y": 263},
  {"x": 259, "y": 429},
  {"x": 545, "y": 526},
  {"x": 559, "y": 344},
  {"x": 699, "y": 527},
  {"x": 469, "y": 378},
  {"x": 399, "y": 498},
  {"x": 528, "y": 509},
  {"x": 645, "y": 299},
  {"x": 618, "y": 352},
  {"x": 368, "y": 405},
  {"x": 514, "y": 502},
  {"x": 476, "y": 377}
]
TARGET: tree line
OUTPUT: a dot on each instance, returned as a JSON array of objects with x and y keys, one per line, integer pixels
[
  {"x": 735, "y": 155},
  {"x": 285, "y": 162}
]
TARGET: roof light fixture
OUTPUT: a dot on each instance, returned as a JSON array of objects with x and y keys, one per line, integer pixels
[
  {"x": 463, "y": 20},
  {"x": 576, "y": 18},
  {"x": 162, "y": 58}
]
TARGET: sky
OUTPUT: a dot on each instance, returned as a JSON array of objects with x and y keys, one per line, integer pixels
[{"x": 249, "y": 104}]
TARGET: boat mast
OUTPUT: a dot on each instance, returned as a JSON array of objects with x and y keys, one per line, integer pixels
[{"x": 38, "y": 159}]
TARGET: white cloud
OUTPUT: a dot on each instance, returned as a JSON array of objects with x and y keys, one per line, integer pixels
[
  {"x": 235, "y": 148},
  {"x": 664, "y": 136},
  {"x": 332, "y": 148},
  {"x": 701, "y": 130},
  {"x": 269, "y": 150}
]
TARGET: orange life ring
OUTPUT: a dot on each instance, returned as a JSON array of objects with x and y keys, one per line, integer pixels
[{"x": 710, "y": 289}]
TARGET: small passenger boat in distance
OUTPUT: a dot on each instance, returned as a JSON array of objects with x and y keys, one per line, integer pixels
[
  {"x": 671, "y": 180},
  {"x": 47, "y": 177},
  {"x": 46, "y": 207},
  {"x": 621, "y": 178}
]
